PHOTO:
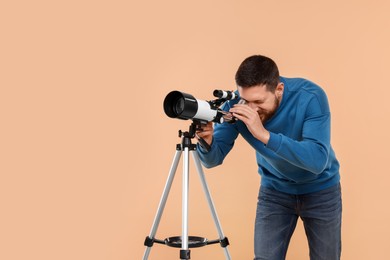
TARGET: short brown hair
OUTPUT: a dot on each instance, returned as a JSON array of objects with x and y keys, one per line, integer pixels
[{"x": 258, "y": 70}]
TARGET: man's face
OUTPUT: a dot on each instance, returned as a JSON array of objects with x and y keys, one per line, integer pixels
[{"x": 263, "y": 101}]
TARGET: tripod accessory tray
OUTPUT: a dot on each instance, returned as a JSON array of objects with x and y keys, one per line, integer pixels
[{"x": 193, "y": 241}]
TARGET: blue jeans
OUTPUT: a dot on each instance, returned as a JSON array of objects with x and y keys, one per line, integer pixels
[{"x": 277, "y": 215}]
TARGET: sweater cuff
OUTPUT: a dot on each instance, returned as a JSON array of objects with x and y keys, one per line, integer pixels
[{"x": 274, "y": 141}]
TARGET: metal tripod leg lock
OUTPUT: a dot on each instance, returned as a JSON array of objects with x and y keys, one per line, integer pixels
[{"x": 185, "y": 242}]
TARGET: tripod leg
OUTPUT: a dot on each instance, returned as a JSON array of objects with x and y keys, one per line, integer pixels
[
  {"x": 210, "y": 202},
  {"x": 162, "y": 203},
  {"x": 185, "y": 252}
]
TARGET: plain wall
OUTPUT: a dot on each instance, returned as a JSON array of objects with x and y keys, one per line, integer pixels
[{"x": 86, "y": 147}]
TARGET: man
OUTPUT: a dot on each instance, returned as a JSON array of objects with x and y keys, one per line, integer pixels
[{"x": 287, "y": 122}]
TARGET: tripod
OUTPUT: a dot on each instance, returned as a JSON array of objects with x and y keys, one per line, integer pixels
[{"x": 185, "y": 241}]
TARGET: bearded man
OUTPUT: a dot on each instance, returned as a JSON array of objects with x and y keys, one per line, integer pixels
[{"x": 287, "y": 122}]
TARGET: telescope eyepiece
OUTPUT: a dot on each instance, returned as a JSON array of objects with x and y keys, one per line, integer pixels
[{"x": 225, "y": 94}]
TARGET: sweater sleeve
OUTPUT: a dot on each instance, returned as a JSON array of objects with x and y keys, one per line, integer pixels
[
  {"x": 311, "y": 153},
  {"x": 223, "y": 141}
]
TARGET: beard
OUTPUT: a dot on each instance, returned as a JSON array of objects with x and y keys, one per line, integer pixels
[{"x": 266, "y": 115}]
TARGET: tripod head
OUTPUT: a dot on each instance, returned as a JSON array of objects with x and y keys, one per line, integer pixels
[{"x": 191, "y": 133}]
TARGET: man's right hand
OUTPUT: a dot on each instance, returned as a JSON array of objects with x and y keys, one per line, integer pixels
[{"x": 206, "y": 133}]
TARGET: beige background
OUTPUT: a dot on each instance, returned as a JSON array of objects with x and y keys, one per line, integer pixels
[{"x": 86, "y": 147}]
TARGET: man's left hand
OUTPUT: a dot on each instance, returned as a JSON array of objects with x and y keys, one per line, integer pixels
[{"x": 250, "y": 117}]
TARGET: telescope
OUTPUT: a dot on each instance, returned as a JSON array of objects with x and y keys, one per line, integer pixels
[{"x": 184, "y": 106}]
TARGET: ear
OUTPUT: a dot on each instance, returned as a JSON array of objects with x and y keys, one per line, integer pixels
[{"x": 279, "y": 90}]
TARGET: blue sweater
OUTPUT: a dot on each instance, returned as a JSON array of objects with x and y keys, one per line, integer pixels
[{"x": 298, "y": 158}]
